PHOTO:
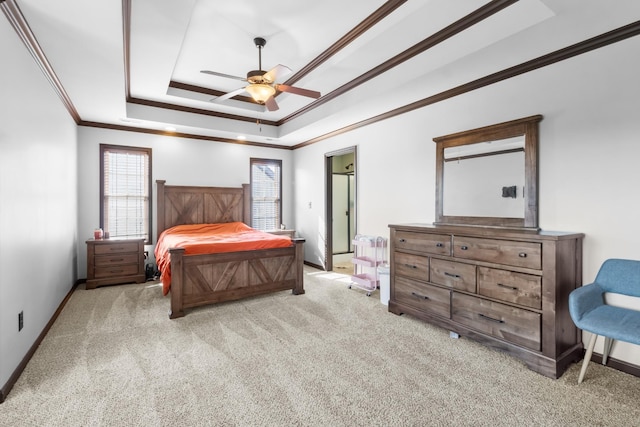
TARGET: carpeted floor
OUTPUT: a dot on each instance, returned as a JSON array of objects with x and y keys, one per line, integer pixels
[{"x": 330, "y": 357}]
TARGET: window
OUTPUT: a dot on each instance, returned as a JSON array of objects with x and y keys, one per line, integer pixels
[
  {"x": 125, "y": 191},
  {"x": 266, "y": 194}
]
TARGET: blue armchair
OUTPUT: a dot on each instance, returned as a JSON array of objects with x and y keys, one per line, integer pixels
[{"x": 590, "y": 312}]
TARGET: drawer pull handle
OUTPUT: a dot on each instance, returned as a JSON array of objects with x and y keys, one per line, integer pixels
[
  {"x": 455, "y": 276},
  {"x": 116, "y": 248},
  {"x": 115, "y": 271},
  {"x": 419, "y": 296},
  {"x": 513, "y": 288},
  {"x": 402, "y": 240},
  {"x": 522, "y": 255},
  {"x": 490, "y": 318},
  {"x": 464, "y": 248},
  {"x": 117, "y": 260},
  {"x": 440, "y": 245},
  {"x": 411, "y": 266}
]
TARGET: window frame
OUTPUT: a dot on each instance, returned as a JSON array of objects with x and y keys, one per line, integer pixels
[
  {"x": 272, "y": 162},
  {"x": 104, "y": 148}
]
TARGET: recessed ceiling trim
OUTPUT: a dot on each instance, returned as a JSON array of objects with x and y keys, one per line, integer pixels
[
  {"x": 166, "y": 106},
  {"x": 377, "y": 16},
  {"x": 605, "y": 39},
  {"x": 451, "y": 30},
  {"x": 207, "y": 91},
  {"x": 179, "y": 134},
  {"x": 21, "y": 27}
]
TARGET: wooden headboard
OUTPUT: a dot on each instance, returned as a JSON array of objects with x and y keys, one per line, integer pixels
[{"x": 179, "y": 205}]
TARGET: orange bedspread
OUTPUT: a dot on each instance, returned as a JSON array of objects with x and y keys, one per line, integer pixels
[{"x": 211, "y": 238}]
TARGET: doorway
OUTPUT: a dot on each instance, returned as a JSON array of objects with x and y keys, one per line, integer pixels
[{"x": 341, "y": 209}]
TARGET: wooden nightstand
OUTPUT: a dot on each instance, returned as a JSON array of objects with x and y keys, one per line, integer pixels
[
  {"x": 114, "y": 261},
  {"x": 284, "y": 232}
]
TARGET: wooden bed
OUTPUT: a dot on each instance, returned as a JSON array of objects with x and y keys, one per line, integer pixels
[{"x": 211, "y": 278}]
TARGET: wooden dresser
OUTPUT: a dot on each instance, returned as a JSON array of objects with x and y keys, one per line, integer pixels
[
  {"x": 507, "y": 289},
  {"x": 114, "y": 261}
]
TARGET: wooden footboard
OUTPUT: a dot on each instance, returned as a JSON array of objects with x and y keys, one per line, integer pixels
[{"x": 211, "y": 278}]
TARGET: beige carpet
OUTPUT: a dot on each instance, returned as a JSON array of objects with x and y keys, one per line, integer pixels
[{"x": 331, "y": 357}]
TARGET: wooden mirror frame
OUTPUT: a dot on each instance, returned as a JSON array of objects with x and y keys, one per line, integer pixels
[{"x": 528, "y": 127}]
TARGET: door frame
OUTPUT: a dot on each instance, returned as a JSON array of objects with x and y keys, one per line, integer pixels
[{"x": 328, "y": 201}]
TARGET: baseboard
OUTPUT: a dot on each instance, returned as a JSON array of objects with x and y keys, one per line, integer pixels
[
  {"x": 4, "y": 391},
  {"x": 620, "y": 365},
  {"x": 310, "y": 264}
]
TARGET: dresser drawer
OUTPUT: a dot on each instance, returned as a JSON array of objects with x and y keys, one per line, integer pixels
[
  {"x": 456, "y": 275},
  {"x": 414, "y": 266},
  {"x": 439, "y": 244},
  {"x": 517, "y": 288},
  {"x": 515, "y": 325},
  {"x": 422, "y": 296},
  {"x": 119, "y": 247},
  {"x": 116, "y": 259},
  {"x": 115, "y": 270},
  {"x": 518, "y": 254}
]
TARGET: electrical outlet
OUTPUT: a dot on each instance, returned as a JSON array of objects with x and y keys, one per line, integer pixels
[{"x": 20, "y": 321}]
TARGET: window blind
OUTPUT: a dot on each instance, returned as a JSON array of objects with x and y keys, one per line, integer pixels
[
  {"x": 126, "y": 187},
  {"x": 266, "y": 194}
]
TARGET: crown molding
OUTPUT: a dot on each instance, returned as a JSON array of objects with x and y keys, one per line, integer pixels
[{"x": 19, "y": 23}]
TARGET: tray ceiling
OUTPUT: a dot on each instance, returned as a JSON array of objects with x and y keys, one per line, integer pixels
[{"x": 137, "y": 63}]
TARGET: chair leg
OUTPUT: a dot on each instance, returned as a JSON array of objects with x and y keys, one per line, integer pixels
[
  {"x": 607, "y": 349},
  {"x": 587, "y": 357}
]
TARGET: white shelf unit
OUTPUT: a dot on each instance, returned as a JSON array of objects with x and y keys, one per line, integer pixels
[{"x": 369, "y": 253}]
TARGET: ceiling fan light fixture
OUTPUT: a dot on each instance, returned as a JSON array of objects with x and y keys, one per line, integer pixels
[{"x": 260, "y": 92}]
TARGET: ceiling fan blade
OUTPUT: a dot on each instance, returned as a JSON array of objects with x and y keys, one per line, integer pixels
[
  {"x": 228, "y": 76},
  {"x": 276, "y": 73},
  {"x": 228, "y": 95},
  {"x": 298, "y": 91},
  {"x": 271, "y": 104}
]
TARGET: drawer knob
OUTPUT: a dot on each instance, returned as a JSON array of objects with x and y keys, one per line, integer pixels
[
  {"x": 455, "y": 276},
  {"x": 522, "y": 255},
  {"x": 419, "y": 296},
  {"x": 402, "y": 240},
  {"x": 411, "y": 266},
  {"x": 490, "y": 318},
  {"x": 464, "y": 248},
  {"x": 513, "y": 288},
  {"x": 439, "y": 245}
]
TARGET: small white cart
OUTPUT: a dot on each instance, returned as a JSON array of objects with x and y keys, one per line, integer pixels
[{"x": 370, "y": 252}]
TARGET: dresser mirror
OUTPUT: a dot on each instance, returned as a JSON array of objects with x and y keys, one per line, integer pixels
[{"x": 489, "y": 176}]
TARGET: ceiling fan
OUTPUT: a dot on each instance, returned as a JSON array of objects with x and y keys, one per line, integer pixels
[{"x": 262, "y": 84}]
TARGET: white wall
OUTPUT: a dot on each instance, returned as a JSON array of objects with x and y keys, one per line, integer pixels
[
  {"x": 589, "y": 157},
  {"x": 38, "y": 180},
  {"x": 178, "y": 161}
]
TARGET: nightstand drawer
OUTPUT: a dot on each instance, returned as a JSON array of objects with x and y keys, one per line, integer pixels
[
  {"x": 116, "y": 270},
  {"x": 119, "y": 247},
  {"x": 116, "y": 259}
]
